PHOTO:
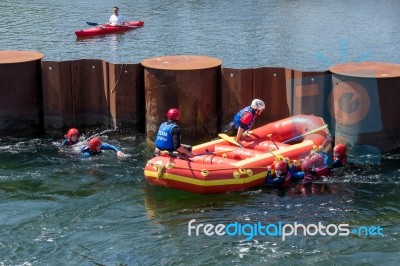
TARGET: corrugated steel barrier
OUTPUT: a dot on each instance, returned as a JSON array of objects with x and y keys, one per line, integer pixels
[{"x": 358, "y": 101}]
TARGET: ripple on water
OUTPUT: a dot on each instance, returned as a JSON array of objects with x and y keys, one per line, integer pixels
[{"x": 22, "y": 212}]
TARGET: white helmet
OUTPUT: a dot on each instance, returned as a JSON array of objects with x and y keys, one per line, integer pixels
[{"x": 257, "y": 104}]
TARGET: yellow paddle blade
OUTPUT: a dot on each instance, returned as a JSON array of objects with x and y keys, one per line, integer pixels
[{"x": 229, "y": 139}]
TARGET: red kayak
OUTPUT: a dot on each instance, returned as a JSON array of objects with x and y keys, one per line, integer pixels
[{"x": 106, "y": 29}]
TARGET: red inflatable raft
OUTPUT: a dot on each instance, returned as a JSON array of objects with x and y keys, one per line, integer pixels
[
  {"x": 222, "y": 165},
  {"x": 106, "y": 29}
]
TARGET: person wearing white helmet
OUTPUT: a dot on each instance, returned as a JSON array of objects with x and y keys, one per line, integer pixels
[{"x": 246, "y": 117}]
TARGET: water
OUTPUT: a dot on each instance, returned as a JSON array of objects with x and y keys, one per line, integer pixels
[
  {"x": 57, "y": 209},
  {"x": 311, "y": 35}
]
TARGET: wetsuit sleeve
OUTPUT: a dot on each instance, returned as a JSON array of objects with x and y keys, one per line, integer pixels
[
  {"x": 336, "y": 163},
  {"x": 106, "y": 146},
  {"x": 273, "y": 179},
  {"x": 325, "y": 158},
  {"x": 64, "y": 142},
  {"x": 296, "y": 175},
  {"x": 85, "y": 152},
  {"x": 176, "y": 137},
  {"x": 268, "y": 177}
]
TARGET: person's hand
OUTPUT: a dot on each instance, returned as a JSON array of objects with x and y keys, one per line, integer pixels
[
  {"x": 120, "y": 154},
  {"x": 246, "y": 134},
  {"x": 269, "y": 168}
]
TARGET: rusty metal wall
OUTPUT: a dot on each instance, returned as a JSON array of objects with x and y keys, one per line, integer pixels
[
  {"x": 75, "y": 94},
  {"x": 193, "y": 92},
  {"x": 126, "y": 85},
  {"x": 92, "y": 93},
  {"x": 310, "y": 91},
  {"x": 236, "y": 92},
  {"x": 271, "y": 85},
  {"x": 20, "y": 98},
  {"x": 240, "y": 86},
  {"x": 365, "y": 112},
  {"x": 58, "y": 96},
  {"x": 388, "y": 138}
]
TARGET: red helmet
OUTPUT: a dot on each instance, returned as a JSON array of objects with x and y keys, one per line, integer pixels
[
  {"x": 72, "y": 131},
  {"x": 317, "y": 159},
  {"x": 173, "y": 114},
  {"x": 280, "y": 165},
  {"x": 94, "y": 142},
  {"x": 340, "y": 148},
  {"x": 314, "y": 160},
  {"x": 307, "y": 164}
]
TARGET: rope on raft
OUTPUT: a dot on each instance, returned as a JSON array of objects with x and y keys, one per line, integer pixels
[{"x": 170, "y": 165}]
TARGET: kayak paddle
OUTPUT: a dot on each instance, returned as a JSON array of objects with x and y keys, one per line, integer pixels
[
  {"x": 98, "y": 24},
  {"x": 92, "y": 23}
]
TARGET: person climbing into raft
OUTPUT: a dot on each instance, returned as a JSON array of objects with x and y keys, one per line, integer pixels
[
  {"x": 168, "y": 138},
  {"x": 314, "y": 167},
  {"x": 281, "y": 177},
  {"x": 95, "y": 146},
  {"x": 71, "y": 138},
  {"x": 245, "y": 118}
]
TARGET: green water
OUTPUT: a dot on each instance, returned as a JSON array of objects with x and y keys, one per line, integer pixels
[{"x": 59, "y": 209}]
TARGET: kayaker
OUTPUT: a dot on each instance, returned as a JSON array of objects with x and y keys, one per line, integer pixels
[
  {"x": 71, "y": 138},
  {"x": 168, "y": 138},
  {"x": 115, "y": 18},
  {"x": 95, "y": 146},
  {"x": 246, "y": 117}
]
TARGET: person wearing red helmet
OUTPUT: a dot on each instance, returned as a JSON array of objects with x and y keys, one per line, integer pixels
[
  {"x": 168, "y": 137},
  {"x": 314, "y": 166},
  {"x": 339, "y": 155},
  {"x": 281, "y": 177},
  {"x": 71, "y": 138},
  {"x": 95, "y": 146}
]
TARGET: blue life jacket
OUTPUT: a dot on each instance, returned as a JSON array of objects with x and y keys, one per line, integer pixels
[
  {"x": 236, "y": 118},
  {"x": 164, "y": 140}
]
